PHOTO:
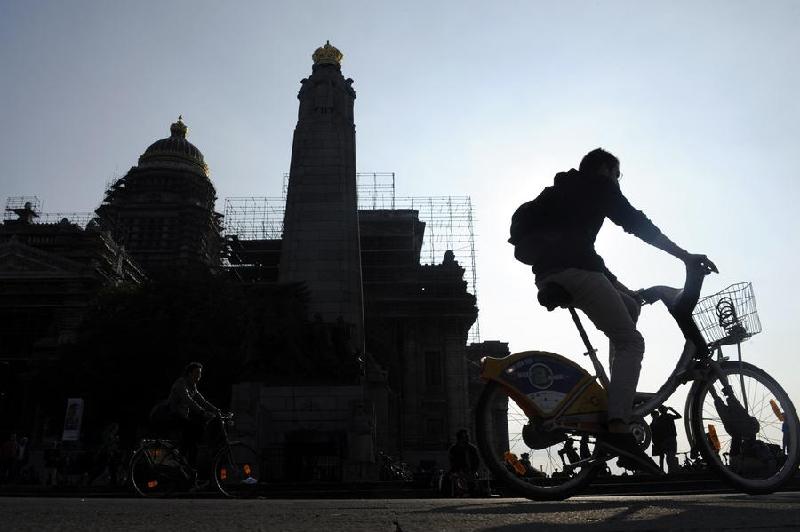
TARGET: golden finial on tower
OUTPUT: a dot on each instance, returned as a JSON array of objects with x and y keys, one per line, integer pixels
[{"x": 327, "y": 55}]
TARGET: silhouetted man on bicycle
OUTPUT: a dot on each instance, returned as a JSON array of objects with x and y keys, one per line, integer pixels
[
  {"x": 464, "y": 463},
  {"x": 578, "y": 203},
  {"x": 190, "y": 410}
]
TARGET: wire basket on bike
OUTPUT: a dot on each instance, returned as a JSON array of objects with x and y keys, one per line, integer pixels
[{"x": 729, "y": 316}]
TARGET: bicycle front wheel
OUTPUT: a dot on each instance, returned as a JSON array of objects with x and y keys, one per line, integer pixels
[
  {"x": 236, "y": 470},
  {"x": 558, "y": 463},
  {"x": 155, "y": 471},
  {"x": 749, "y": 431}
]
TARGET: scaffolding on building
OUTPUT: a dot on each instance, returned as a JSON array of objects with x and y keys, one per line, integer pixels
[
  {"x": 16, "y": 204},
  {"x": 254, "y": 218},
  {"x": 375, "y": 190},
  {"x": 449, "y": 222}
]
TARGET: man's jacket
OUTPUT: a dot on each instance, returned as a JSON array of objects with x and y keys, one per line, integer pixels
[
  {"x": 185, "y": 399},
  {"x": 581, "y": 204}
]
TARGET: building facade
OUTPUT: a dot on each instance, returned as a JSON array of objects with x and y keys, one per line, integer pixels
[
  {"x": 50, "y": 274},
  {"x": 381, "y": 363}
]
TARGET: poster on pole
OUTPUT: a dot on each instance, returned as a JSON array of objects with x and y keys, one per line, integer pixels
[{"x": 72, "y": 419}]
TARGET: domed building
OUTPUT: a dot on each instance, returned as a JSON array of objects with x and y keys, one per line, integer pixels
[{"x": 162, "y": 211}]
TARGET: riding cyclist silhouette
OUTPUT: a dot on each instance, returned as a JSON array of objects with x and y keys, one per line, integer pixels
[
  {"x": 555, "y": 234},
  {"x": 159, "y": 467},
  {"x": 190, "y": 411}
]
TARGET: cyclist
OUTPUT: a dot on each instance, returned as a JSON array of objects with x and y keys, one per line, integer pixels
[
  {"x": 464, "y": 463},
  {"x": 190, "y": 410},
  {"x": 587, "y": 197}
]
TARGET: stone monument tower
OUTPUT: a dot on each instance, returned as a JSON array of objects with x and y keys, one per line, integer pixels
[{"x": 320, "y": 239}]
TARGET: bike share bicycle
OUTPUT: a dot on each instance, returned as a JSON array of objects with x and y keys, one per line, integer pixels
[
  {"x": 157, "y": 468},
  {"x": 738, "y": 417}
]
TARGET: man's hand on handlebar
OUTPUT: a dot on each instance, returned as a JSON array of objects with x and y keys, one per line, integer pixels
[
  {"x": 682, "y": 300},
  {"x": 692, "y": 259}
]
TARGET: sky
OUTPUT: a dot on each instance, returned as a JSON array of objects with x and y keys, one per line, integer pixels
[{"x": 699, "y": 100}]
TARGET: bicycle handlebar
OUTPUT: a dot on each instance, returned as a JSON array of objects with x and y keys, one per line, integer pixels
[{"x": 681, "y": 301}]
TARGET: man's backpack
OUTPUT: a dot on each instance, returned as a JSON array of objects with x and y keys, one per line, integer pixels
[{"x": 534, "y": 226}]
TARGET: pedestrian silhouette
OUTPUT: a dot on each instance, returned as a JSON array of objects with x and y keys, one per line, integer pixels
[
  {"x": 569, "y": 452},
  {"x": 8, "y": 457},
  {"x": 665, "y": 437},
  {"x": 525, "y": 460}
]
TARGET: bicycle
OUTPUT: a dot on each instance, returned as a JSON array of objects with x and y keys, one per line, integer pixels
[
  {"x": 536, "y": 401},
  {"x": 157, "y": 468}
]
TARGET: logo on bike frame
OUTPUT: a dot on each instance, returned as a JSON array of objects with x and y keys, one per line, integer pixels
[{"x": 540, "y": 376}]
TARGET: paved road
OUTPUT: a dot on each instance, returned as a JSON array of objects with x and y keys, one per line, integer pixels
[{"x": 704, "y": 513}]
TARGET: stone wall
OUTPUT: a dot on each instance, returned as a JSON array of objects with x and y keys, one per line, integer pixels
[{"x": 307, "y": 432}]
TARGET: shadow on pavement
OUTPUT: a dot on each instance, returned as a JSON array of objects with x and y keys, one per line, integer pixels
[{"x": 739, "y": 512}]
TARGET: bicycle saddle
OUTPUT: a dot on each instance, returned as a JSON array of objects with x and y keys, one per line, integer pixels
[{"x": 553, "y": 295}]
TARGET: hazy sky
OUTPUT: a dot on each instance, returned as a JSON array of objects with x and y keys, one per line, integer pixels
[{"x": 698, "y": 99}]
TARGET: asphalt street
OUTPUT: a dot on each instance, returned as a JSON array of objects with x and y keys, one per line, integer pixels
[{"x": 686, "y": 512}]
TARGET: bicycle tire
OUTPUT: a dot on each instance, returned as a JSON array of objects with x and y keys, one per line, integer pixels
[
  {"x": 754, "y": 466},
  {"x": 236, "y": 470},
  {"x": 155, "y": 471},
  {"x": 548, "y": 487}
]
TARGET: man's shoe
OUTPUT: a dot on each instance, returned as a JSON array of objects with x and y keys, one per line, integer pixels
[{"x": 625, "y": 446}]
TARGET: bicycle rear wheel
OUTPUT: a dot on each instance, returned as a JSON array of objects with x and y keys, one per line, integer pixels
[
  {"x": 741, "y": 435},
  {"x": 236, "y": 470},
  {"x": 549, "y": 476},
  {"x": 156, "y": 470}
]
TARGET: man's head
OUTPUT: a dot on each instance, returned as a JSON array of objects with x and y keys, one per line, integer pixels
[
  {"x": 193, "y": 371},
  {"x": 600, "y": 162}
]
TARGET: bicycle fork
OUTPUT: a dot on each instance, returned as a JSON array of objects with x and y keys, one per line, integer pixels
[
  {"x": 733, "y": 414},
  {"x": 715, "y": 371}
]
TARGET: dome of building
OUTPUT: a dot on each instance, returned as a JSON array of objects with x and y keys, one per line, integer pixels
[{"x": 174, "y": 151}]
